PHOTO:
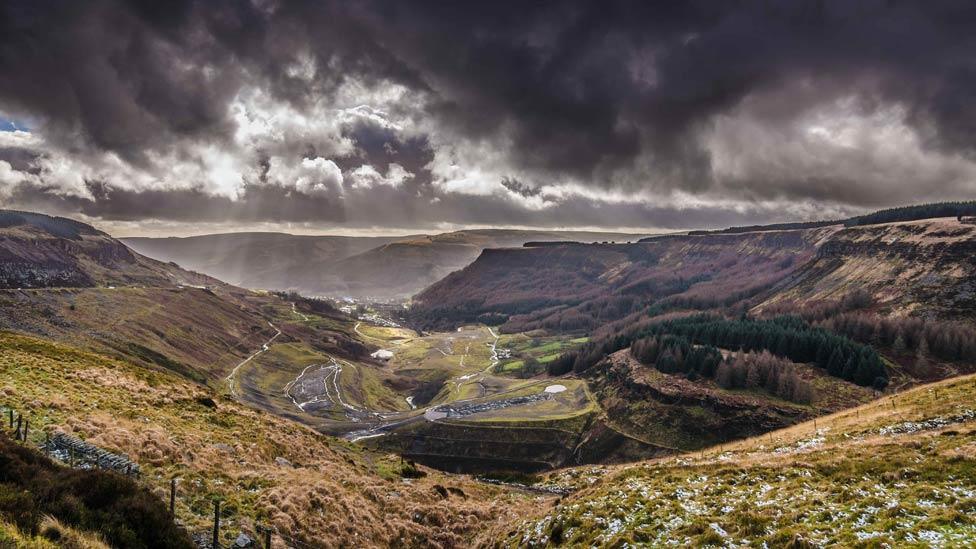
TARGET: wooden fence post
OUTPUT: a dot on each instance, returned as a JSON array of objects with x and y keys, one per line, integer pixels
[
  {"x": 20, "y": 419},
  {"x": 11, "y": 413},
  {"x": 26, "y": 426},
  {"x": 172, "y": 497},
  {"x": 216, "y": 526}
]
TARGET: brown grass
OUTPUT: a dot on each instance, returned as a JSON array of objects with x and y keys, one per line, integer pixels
[{"x": 334, "y": 494}]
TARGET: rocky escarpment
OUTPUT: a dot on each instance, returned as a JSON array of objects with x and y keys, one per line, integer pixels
[
  {"x": 21, "y": 274},
  {"x": 921, "y": 268},
  {"x": 29, "y": 259},
  {"x": 583, "y": 286}
]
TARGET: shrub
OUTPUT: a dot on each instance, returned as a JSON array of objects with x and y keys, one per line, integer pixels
[{"x": 114, "y": 506}]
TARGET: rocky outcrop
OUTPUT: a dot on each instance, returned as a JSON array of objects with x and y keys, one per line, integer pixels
[
  {"x": 678, "y": 415},
  {"x": 39, "y": 251}
]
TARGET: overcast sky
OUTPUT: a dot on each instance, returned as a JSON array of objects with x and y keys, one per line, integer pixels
[{"x": 188, "y": 117}]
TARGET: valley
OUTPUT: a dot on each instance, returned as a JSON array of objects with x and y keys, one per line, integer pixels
[{"x": 432, "y": 383}]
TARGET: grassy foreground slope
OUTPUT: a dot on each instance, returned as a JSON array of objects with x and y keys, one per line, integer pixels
[
  {"x": 897, "y": 472},
  {"x": 266, "y": 470}
]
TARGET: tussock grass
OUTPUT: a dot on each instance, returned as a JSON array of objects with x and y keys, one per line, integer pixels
[{"x": 898, "y": 472}]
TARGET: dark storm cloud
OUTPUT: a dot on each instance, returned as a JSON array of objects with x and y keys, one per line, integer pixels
[
  {"x": 519, "y": 188},
  {"x": 102, "y": 74},
  {"x": 258, "y": 203},
  {"x": 380, "y": 207},
  {"x": 584, "y": 87},
  {"x": 609, "y": 94},
  {"x": 19, "y": 158},
  {"x": 380, "y": 146}
]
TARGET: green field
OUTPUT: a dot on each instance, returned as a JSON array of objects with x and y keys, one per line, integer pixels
[{"x": 543, "y": 349}]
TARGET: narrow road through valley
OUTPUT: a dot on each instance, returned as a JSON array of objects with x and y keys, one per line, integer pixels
[
  {"x": 456, "y": 408},
  {"x": 232, "y": 376}
]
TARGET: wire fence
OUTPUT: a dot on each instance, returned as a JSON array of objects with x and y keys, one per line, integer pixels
[{"x": 76, "y": 453}]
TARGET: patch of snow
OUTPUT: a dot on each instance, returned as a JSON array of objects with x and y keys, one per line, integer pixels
[
  {"x": 908, "y": 427},
  {"x": 553, "y": 389},
  {"x": 718, "y": 530}
]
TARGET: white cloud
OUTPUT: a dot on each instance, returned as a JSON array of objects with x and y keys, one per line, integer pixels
[
  {"x": 9, "y": 178},
  {"x": 313, "y": 176},
  {"x": 366, "y": 177},
  {"x": 835, "y": 150}
]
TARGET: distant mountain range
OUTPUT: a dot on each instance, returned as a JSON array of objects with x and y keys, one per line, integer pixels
[{"x": 379, "y": 267}]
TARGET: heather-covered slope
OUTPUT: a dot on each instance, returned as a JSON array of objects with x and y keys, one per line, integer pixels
[
  {"x": 71, "y": 283},
  {"x": 580, "y": 287},
  {"x": 77, "y": 508},
  {"x": 922, "y": 268}
]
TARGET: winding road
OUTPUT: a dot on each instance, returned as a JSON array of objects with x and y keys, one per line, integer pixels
[
  {"x": 232, "y": 376},
  {"x": 299, "y": 313},
  {"x": 318, "y": 387}
]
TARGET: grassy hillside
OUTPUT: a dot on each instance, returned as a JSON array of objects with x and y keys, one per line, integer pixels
[
  {"x": 674, "y": 413},
  {"x": 900, "y": 471},
  {"x": 266, "y": 470},
  {"x": 194, "y": 332}
]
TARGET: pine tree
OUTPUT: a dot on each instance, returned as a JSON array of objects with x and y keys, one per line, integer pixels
[
  {"x": 922, "y": 351},
  {"x": 835, "y": 365},
  {"x": 922, "y": 359}
]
